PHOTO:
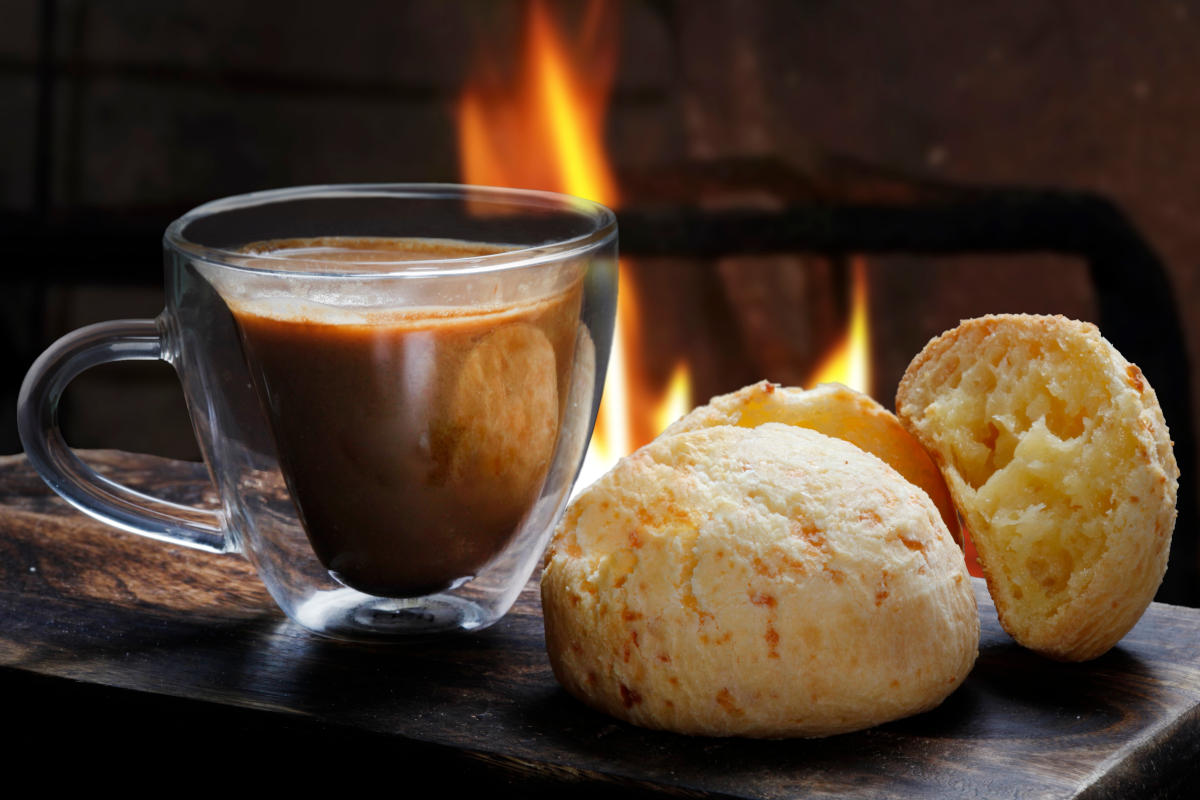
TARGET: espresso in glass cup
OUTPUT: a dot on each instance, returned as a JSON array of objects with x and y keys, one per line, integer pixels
[{"x": 392, "y": 386}]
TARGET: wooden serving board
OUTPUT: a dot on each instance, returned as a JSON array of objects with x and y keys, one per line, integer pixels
[{"x": 104, "y": 634}]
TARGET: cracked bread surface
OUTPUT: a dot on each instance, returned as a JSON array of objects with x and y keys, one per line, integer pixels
[
  {"x": 1057, "y": 455},
  {"x": 762, "y": 582},
  {"x": 834, "y": 410}
]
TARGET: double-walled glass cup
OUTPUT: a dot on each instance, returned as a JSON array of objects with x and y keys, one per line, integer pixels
[{"x": 392, "y": 386}]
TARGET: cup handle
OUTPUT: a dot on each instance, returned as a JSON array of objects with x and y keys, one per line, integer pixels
[{"x": 62, "y": 469}]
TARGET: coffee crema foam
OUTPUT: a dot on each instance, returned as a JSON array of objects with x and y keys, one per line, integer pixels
[
  {"x": 296, "y": 280},
  {"x": 361, "y": 253}
]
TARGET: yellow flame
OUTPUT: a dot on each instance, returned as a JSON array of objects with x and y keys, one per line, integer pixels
[
  {"x": 677, "y": 400},
  {"x": 613, "y": 437},
  {"x": 849, "y": 362},
  {"x": 547, "y": 133},
  {"x": 578, "y": 148}
]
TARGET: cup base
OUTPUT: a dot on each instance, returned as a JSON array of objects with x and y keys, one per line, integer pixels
[{"x": 348, "y": 614}]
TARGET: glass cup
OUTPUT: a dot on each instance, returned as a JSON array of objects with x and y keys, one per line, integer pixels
[{"x": 392, "y": 386}]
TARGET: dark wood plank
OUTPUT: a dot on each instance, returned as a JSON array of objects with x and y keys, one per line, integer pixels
[{"x": 86, "y": 611}]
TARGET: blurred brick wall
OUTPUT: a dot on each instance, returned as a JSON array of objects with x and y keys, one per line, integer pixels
[{"x": 155, "y": 108}]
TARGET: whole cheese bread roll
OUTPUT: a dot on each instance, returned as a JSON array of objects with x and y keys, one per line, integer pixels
[
  {"x": 1055, "y": 450},
  {"x": 762, "y": 582}
]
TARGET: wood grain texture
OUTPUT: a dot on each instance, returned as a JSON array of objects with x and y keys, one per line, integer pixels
[{"x": 86, "y": 610}]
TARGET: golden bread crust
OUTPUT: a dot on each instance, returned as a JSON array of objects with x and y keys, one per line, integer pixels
[
  {"x": 763, "y": 582},
  {"x": 1057, "y": 455},
  {"x": 834, "y": 410}
]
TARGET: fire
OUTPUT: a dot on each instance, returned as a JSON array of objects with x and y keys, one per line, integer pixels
[
  {"x": 545, "y": 131},
  {"x": 849, "y": 362},
  {"x": 677, "y": 400}
]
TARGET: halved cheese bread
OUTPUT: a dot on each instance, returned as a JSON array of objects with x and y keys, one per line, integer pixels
[{"x": 1057, "y": 455}]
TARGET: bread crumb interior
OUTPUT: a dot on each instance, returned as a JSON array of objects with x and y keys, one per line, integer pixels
[{"x": 1028, "y": 426}]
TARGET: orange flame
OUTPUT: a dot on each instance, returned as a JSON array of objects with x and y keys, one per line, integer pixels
[
  {"x": 849, "y": 362},
  {"x": 546, "y": 132}
]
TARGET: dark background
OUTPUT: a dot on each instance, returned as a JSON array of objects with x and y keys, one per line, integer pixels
[{"x": 119, "y": 116}]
